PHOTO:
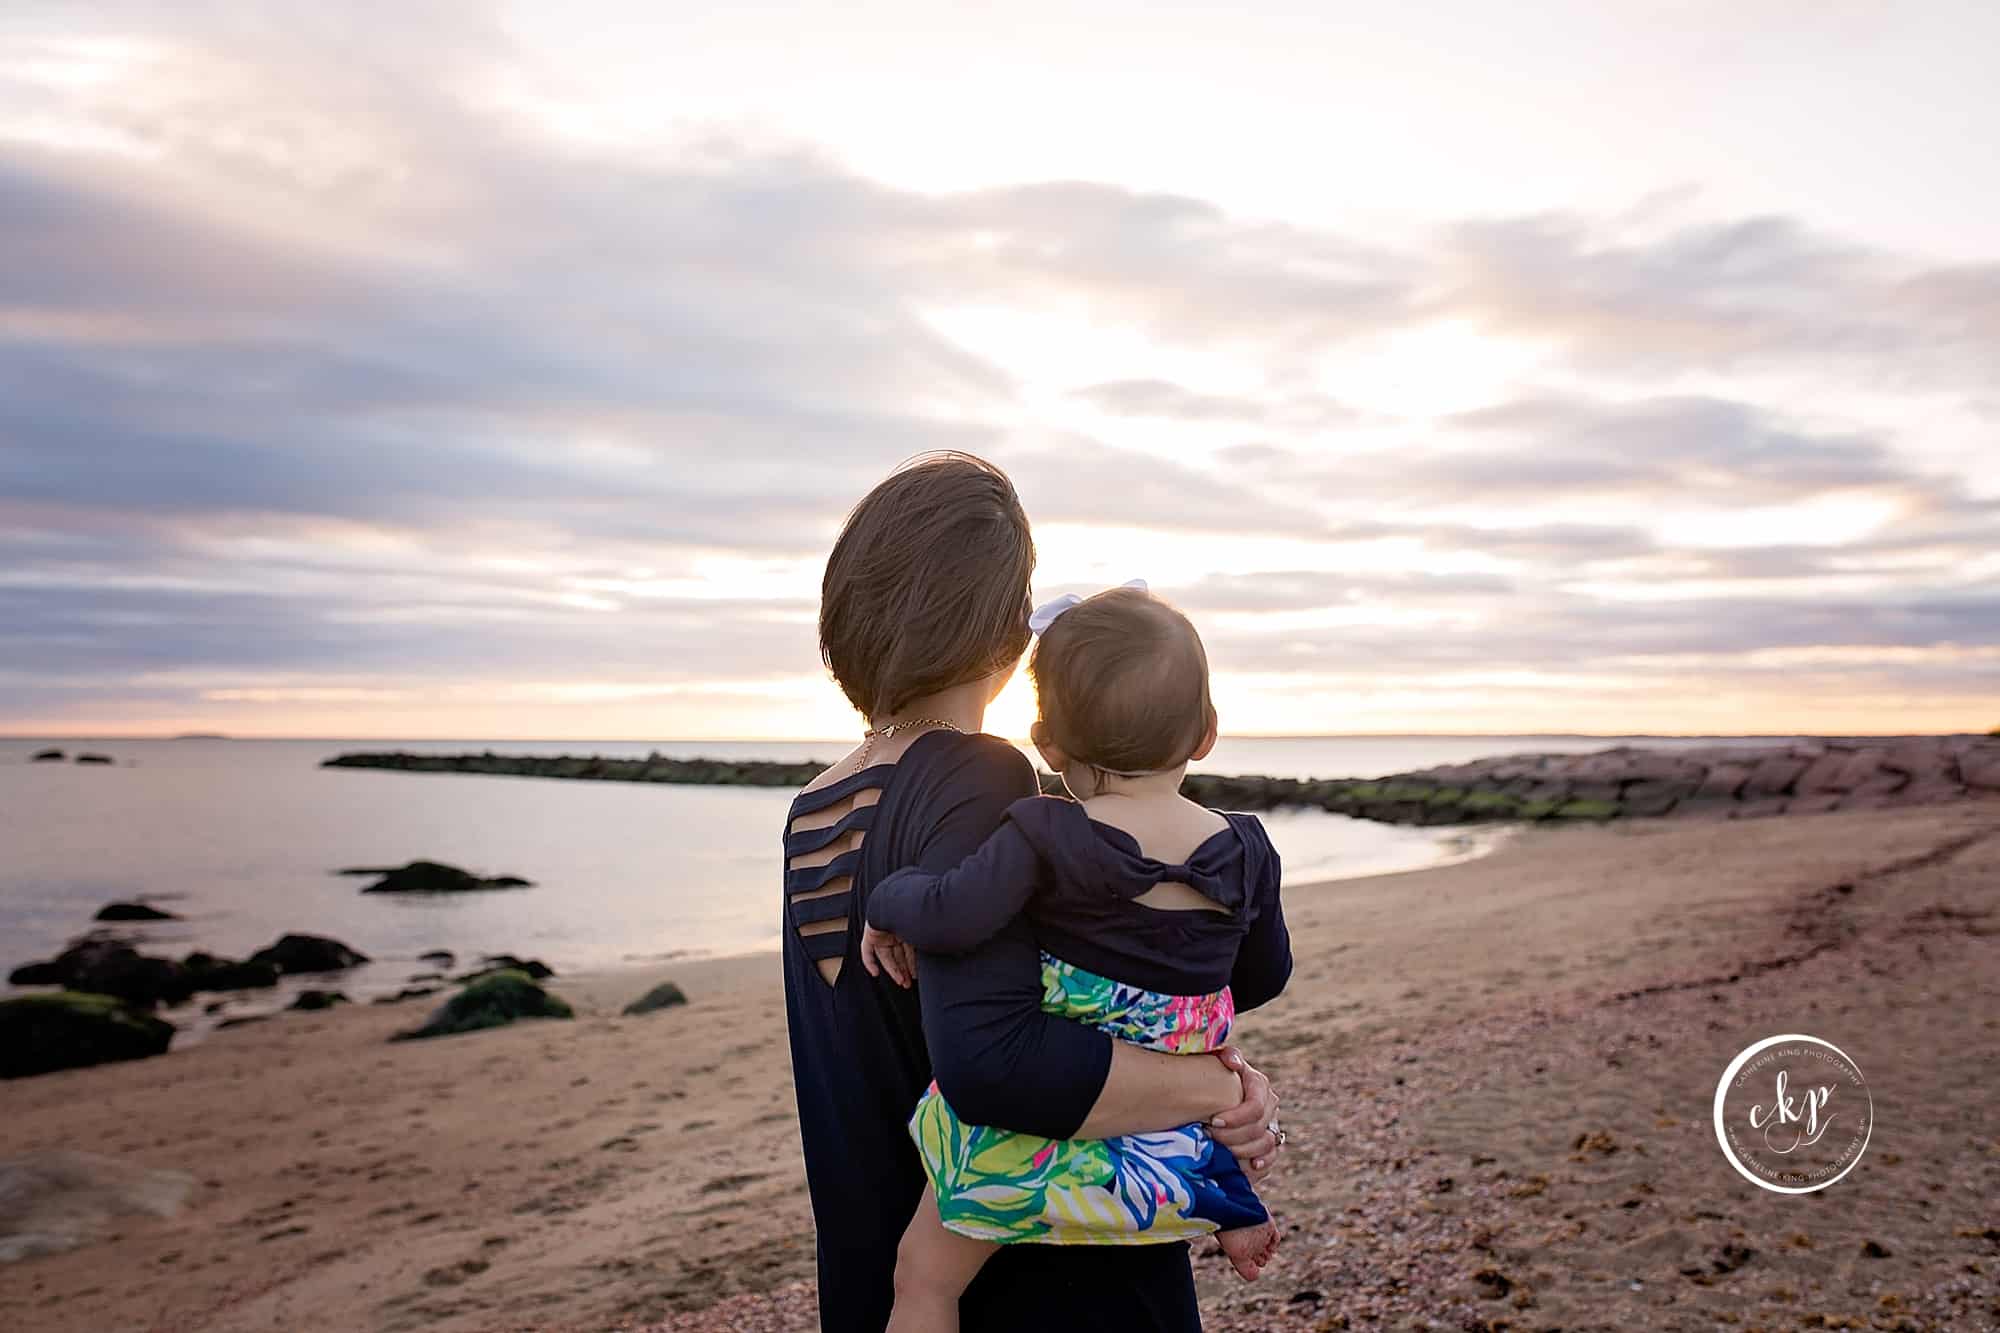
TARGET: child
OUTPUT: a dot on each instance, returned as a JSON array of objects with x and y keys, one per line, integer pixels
[{"x": 1158, "y": 919}]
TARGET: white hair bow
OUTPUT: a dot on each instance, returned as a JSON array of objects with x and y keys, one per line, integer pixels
[{"x": 1045, "y": 614}]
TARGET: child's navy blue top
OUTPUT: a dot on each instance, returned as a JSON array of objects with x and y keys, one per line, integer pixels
[
  {"x": 864, "y": 1050},
  {"x": 1078, "y": 880}
]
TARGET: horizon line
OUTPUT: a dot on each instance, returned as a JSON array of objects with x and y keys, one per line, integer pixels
[{"x": 830, "y": 740}]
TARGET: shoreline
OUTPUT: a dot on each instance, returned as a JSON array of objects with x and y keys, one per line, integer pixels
[
  {"x": 611, "y": 1172},
  {"x": 199, "y": 1020},
  {"x": 1809, "y": 775}
]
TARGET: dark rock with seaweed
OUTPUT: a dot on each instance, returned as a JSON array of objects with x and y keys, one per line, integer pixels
[
  {"x": 491, "y": 1001},
  {"x": 40, "y": 1034},
  {"x": 663, "y": 996},
  {"x": 111, "y": 967}
]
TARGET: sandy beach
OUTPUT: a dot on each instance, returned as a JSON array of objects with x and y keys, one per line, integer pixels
[{"x": 1497, "y": 1076}]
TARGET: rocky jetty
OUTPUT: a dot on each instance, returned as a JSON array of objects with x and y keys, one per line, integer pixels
[
  {"x": 1718, "y": 781},
  {"x": 653, "y": 768}
]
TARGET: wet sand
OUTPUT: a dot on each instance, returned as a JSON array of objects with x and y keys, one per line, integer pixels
[{"x": 1497, "y": 1077}]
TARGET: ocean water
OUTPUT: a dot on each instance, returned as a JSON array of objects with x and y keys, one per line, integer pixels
[{"x": 240, "y": 839}]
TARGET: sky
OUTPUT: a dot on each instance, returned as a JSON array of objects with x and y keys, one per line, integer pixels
[{"x": 463, "y": 370}]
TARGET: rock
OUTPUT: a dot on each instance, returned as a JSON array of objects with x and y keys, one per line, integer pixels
[
  {"x": 38, "y": 974},
  {"x": 93, "y": 759},
  {"x": 71, "y": 1029},
  {"x": 309, "y": 953},
  {"x": 1652, "y": 798},
  {"x": 242, "y": 1021},
  {"x": 366, "y": 870},
  {"x": 663, "y": 996},
  {"x": 1822, "y": 773},
  {"x": 1758, "y": 809},
  {"x": 1723, "y": 782},
  {"x": 438, "y": 958},
  {"x": 491, "y": 1001},
  {"x": 1981, "y": 768},
  {"x": 1586, "y": 809},
  {"x": 407, "y": 993},
  {"x": 1919, "y": 759},
  {"x": 49, "y": 756},
  {"x": 536, "y": 969},
  {"x": 1773, "y": 776},
  {"x": 436, "y": 877},
  {"x": 1927, "y": 791},
  {"x": 209, "y": 973},
  {"x": 132, "y": 912},
  {"x": 56, "y": 1200},
  {"x": 108, "y": 967},
  {"x": 318, "y": 999}
]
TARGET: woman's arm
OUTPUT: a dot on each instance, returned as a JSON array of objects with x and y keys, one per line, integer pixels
[{"x": 961, "y": 908}]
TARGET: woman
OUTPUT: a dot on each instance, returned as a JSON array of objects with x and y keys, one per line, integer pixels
[{"x": 923, "y": 619}]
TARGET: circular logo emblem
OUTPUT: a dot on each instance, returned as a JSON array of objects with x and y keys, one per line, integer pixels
[{"x": 1793, "y": 1114}]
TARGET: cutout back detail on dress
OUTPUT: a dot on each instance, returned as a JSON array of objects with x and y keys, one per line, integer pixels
[{"x": 823, "y": 840}]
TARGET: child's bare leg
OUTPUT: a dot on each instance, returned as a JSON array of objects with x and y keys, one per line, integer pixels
[
  {"x": 933, "y": 1268},
  {"x": 1248, "y": 1248}
]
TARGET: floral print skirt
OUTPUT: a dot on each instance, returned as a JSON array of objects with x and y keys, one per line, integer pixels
[{"x": 1140, "y": 1189}]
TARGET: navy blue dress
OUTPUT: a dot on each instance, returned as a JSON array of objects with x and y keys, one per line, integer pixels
[{"x": 864, "y": 1050}]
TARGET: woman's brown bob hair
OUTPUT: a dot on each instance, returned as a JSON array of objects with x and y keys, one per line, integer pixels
[
  {"x": 927, "y": 586},
  {"x": 1122, "y": 681}
]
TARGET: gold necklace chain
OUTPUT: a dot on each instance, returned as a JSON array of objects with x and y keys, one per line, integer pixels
[{"x": 888, "y": 732}]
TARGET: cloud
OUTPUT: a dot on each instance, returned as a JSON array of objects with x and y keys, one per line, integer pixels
[
  {"x": 1722, "y": 296},
  {"x": 352, "y": 374}
]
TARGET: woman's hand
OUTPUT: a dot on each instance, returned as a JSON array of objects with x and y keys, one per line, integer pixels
[
  {"x": 1250, "y": 1128},
  {"x": 882, "y": 952}
]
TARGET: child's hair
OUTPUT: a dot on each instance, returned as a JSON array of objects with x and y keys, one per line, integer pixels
[
  {"x": 927, "y": 586},
  {"x": 1123, "y": 683}
]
